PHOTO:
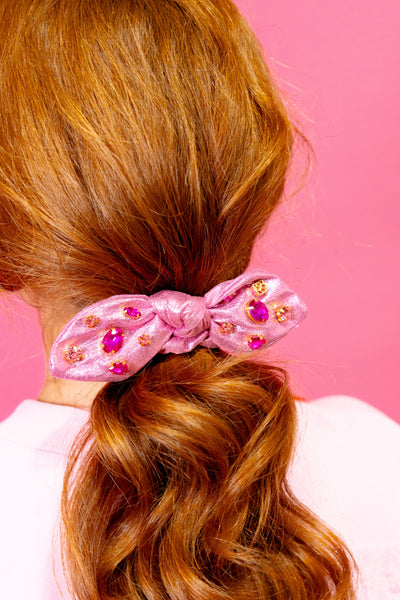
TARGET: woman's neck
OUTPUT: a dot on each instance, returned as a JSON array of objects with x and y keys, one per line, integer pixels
[{"x": 79, "y": 394}]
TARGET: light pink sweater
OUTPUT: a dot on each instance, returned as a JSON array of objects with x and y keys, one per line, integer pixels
[{"x": 346, "y": 468}]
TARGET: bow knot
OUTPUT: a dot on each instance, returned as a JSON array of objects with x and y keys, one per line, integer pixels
[{"x": 188, "y": 315}]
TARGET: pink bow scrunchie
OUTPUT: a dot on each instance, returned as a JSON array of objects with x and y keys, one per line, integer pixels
[{"x": 114, "y": 338}]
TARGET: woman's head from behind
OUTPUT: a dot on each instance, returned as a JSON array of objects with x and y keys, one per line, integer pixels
[{"x": 142, "y": 146}]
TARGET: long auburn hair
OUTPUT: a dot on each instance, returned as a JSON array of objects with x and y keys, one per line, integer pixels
[{"x": 143, "y": 146}]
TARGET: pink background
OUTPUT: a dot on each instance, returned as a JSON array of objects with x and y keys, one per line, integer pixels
[{"x": 336, "y": 242}]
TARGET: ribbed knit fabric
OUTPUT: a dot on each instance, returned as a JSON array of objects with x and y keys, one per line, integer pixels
[{"x": 346, "y": 469}]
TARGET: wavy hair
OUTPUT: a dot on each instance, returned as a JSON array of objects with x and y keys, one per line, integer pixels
[{"x": 143, "y": 146}]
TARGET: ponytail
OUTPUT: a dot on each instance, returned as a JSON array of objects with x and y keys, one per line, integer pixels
[{"x": 182, "y": 492}]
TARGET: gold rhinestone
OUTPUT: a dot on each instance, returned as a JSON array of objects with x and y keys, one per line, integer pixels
[
  {"x": 144, "y": 340},
  {"x": 91, "y": 321},
  {"x": 283, "y": 313},
  {"x": 73, "y": 354},
  {"x": 227, "y": 328},
  {"x": 260, "y": 288}
]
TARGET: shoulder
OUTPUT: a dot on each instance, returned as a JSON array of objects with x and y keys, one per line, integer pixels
[
  {"x": 348, "y": 427},
  {"x": 347, "y": 407},
  {"x": 346, "y": 468}
]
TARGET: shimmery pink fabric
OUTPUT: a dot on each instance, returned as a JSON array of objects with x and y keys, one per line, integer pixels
[{"x": 173, "y": 322}]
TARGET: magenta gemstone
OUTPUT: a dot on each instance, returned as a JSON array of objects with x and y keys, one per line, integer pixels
[
  {"x": 113, "y": 340},
  {"x": 119, "y": 368},
  {"x": 257, "y": 311},
  {"x": 256, "y": 342},
  {"x": 230, "y": 297},
  {"x": 132, "y": 312}
]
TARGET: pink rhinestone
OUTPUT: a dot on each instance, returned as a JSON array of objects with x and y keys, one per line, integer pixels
[
  {"x": 113, "y": 340},
  {"x": 255, "y": 342},
  {"x": 119, "y": 368},
  {"x": 73, "y": 354},
  {"x": 144, "y": 340},
  {"x": 91, "y": 321},
  {"x": 230, "y": 297},
  {"x": 257, "y": 311},
  {"x": 132, "y": 313},
  {"x": 283, "y": 313},
  {"x": 227, "y": 328}
]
